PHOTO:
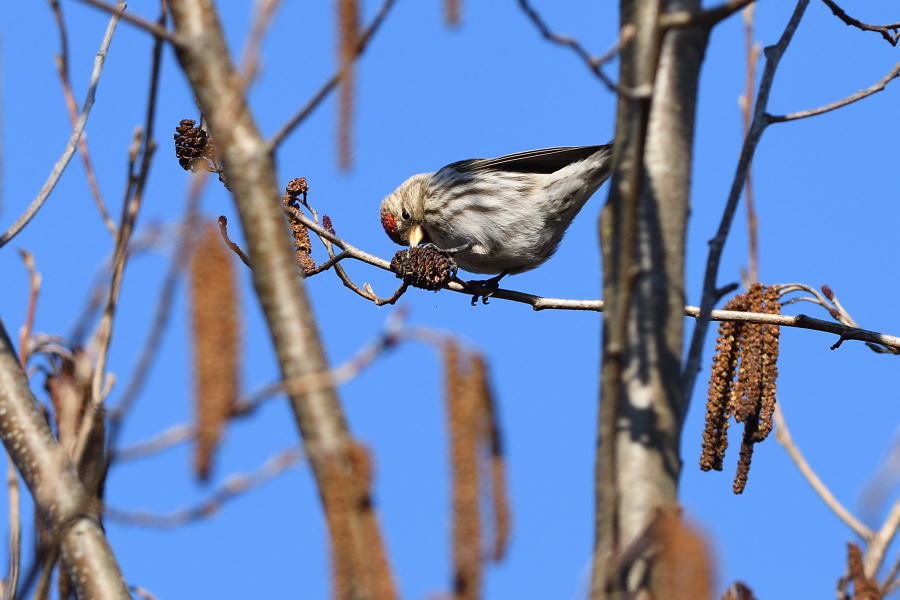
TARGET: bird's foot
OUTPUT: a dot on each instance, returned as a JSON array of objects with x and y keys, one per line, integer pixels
[{"x": 488, "y": 287}]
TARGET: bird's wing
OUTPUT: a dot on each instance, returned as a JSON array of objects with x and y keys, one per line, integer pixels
[{"x": 545, "y": 160}]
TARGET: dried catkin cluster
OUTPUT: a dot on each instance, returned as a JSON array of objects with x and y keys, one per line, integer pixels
[
  {"x": 474, "y": 441},
  {"x": 348, "y": 42},
  {"x": 192, "y": 147},
  {"x": 295, "y": 189},
  {"x": 216, "y": 331},
  {"x": 426, "y": 267},
  {"x": 357, "y": 559},
  {"x": 864, "y": 587},
  {"x": 742, "y": 383}
]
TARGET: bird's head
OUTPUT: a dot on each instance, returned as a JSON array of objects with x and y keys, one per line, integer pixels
[{"x": 403, "y": 211}]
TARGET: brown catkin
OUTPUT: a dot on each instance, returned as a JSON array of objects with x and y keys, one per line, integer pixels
[
  {"x": 864, "y": 588},
  {"x": 464, "y": 414},
  {"x": 749, "y": 378},
  {"x": 348, "y": 39},
  {"x": 742, "y": 382},
  {"x": 359, "y": 564},
  {"x": 215, "y": 321},
  {"x": 687, "y": 571},
  {"x": 769, "y": 370},
  {"x": 452, "y": 12},
  {"x": 496, "y": 462},
  {"x": 718, "y": 405}
]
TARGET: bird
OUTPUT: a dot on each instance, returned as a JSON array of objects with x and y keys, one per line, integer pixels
[{"x": 499, "y": 216}]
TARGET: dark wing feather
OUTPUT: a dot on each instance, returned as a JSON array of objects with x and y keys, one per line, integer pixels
[{"x": 545, "y": 160}]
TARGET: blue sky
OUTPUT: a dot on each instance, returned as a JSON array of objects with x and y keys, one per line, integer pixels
[{"x": 428, "y": 96}]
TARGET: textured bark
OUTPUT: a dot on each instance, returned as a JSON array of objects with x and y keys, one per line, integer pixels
[
  {"x": 250, "y": 173},
  {"x": 642, "y": 233},
  {"x": 67, "y": 510}
]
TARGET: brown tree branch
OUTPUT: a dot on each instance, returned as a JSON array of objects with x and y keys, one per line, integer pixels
[
  {"x": 855, "y": 97},
  {"x": 11, "y": 584},
  {"x": 783, "y": 435},
  {"x": 62, "y": 66},
  {"x": 891, "y": 33},
  {"x": 248, "y": 165},
  {"x": 77, "y": 130},
  {"x": 594, "y": 64},
  {"x": 54, "y": 484},
  {"x": 150, "y": 27},
  {"x": 773, "y": 54},
  {"x": 332, "y": 83},
  {"x": 234, "y": 486}
]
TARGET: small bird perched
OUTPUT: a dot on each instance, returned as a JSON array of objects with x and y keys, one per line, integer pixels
[{"x": 497, "y": 215}]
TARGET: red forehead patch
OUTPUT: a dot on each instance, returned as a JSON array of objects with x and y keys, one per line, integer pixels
[{"x": 389, "y": 222}]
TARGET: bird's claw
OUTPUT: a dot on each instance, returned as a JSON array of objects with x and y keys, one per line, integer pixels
[{"x": 488, "y": 285}]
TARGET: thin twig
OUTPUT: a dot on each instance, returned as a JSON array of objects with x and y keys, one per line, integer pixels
[
  {"x": 694, "y": 359},
  {"x": 223, "y": 230},
  {"x": 62, "y": 66},
  {"x": 752, "y": 53},
  {"x": 594, "y": 64},
  {"x": 855, "y": 97},
  {"x": 262, "y": 21},
  {"x": 11, "y": 584},
  {"x": 889, "y": 32},
  {"x": 157, "y": 30},
  {"x": 546, "y": 303},
  {"x": 142, "y": 592},
  {"x": 34, "y": 287},
  {"x": 177, "y": 263},
  {"x": 131, "y": 205},
  {"x": 881, "y": 541},
  {"x": 233, "y": 487},
  {"x": 77, "y": 130},
  {"x": 332, "y": 83},
  {"x": 392, "y": 334},
  {"x": 783, "y": 435}
]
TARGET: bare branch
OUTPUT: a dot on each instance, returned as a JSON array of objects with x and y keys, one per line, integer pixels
[
  {"x": 34, "y": 285},
  {"x": 773, "y": 55},
  {"x": 157, "y": 30},
  {"x": 223, "y": 231},
  {"x": 177, "y": 263},
  {"x": 143, "y": 148},
  {"x": 332, "y": 83},
  {"x": 54, "y": 484},
  {"x": 15, "y": 530},
  {"x": 881, "y": 541},
  {"x": 855, "y": 97},
  {"x": 62, "y": 66},
  {"x": 783, "y": 435},
  {"x": 77, "y": 130},
  {"x": 891, "y": 33},
  {"x": 594, "y": 64},
  {"x": 233, "y": 487}
]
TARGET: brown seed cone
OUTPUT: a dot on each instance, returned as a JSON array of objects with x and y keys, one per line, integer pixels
[
  {"x": 426, "y": 267},
  {"x": 216, "y": 338},
  {"x": 739, "y": 591},
  {"x": 191, "y": 144}
]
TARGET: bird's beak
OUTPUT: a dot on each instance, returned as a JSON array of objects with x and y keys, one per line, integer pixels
[{"x": 415, "y": 236}]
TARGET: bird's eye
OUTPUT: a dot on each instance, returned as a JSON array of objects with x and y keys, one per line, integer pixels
[{"x": 404, "y": 215}]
